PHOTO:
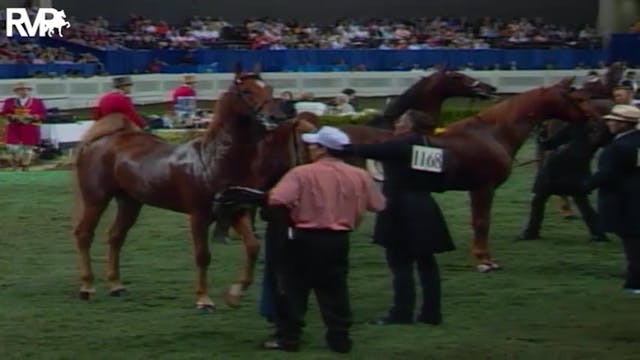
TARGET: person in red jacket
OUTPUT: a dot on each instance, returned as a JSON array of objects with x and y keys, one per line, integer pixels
[
  {"x": 185, "y": 90},
  {"x": 184, "y": 102},
  {"x": 118, "y": 102},
  {"x": 25, "y": 114}
]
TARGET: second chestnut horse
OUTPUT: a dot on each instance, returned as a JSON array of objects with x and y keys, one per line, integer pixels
[{"x": 479, "y": 151}]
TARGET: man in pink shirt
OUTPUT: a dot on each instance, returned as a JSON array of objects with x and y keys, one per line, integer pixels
[{"x": 326, "y": 200}]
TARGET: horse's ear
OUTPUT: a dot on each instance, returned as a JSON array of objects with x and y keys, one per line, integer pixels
[{"x": 238, "y": 69}]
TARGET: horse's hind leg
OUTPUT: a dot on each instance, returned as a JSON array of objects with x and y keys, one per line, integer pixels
[
  {"x": 243, "y": 226},
  {"x": 84, "y": 233},
  {"x": 481, "y": 201},
  {"x": 128, "y": 211}
]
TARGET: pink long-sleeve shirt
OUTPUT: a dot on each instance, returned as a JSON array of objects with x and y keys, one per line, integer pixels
[{"x": 327, "y": 194}]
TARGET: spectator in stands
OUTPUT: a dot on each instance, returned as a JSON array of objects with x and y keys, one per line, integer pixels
[
  {"x": 118, "y": 101},
  {"x": 25, "y": 114}
]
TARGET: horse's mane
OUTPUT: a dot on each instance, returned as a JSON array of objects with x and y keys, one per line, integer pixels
[
  {"x": 497, "y": 111},
  {"x": 399, "y": 105}
]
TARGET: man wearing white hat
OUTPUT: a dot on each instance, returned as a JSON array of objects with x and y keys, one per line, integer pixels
[
  {"x": 326, "y": 200},
  {"x": 618, "y": 178},
  {"x": 25, "y": 114}
]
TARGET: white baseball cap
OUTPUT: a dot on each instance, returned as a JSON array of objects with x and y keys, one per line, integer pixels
[{"x": 329, "y": 137}]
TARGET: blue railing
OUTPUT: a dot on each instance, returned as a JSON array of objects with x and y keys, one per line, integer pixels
[{"x": 623, "y": 47}]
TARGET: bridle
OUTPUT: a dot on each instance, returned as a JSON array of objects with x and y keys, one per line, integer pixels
[{"x": 255, "y": 112}]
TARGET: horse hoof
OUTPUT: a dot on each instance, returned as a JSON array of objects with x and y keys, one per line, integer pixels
[
  {"x": 206, "y": 308},
  {"x": 485, "y": 268},
  {"x": 85, "y": 295},
  {"x": 231, "y": 300},
  {"x": 118, "y": 292}
]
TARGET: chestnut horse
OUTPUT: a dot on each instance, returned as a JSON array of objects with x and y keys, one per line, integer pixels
[
  {"x": 137, "y": 168},
  {"x": 480, "y": 150}
]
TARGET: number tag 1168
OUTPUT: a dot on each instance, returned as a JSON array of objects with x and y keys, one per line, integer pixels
[{"x": 424, "y": 158}]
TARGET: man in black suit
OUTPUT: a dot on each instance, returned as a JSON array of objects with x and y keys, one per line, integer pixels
[{"x": 618, "y": 178}]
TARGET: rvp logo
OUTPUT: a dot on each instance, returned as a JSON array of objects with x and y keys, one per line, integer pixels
[{"x": 46, "y": 22}]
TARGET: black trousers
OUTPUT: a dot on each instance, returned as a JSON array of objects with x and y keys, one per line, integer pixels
[
  {"x": 401, "y": 262},
  {"x": 315, "y": 260},
  {"x": 538, "y": 203},
  {"x": 631, "y": 244}
]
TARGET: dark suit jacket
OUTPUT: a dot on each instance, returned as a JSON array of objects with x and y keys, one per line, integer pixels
[
  {"x": 618, "y": 180},
  {"x": 569, "y": 163},
  {"x": 411, "y": 218}
]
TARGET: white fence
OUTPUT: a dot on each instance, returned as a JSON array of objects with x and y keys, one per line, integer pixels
[{"x": 155, "y": 88}]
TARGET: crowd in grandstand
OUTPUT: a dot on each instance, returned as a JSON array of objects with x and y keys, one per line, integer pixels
[
  {"x": 139, "y": 32},
  {"x": 143, "y": 33}
]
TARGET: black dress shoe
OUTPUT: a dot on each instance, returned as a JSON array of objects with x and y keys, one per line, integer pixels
[
  {"x": 282, "y": 345},
  {"x": 528, "y": 236},
  {"x": 342, "y": 346},
  {"x": 431, "y": 320}
]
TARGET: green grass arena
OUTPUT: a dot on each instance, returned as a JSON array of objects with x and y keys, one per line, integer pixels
[{"x": 556, "y": 298}]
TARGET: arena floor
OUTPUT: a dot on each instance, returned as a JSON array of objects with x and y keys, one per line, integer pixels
[{"x": 556, "y": 298}]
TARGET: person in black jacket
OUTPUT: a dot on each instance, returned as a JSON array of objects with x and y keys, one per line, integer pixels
[
  {"x": 563, "y": 172},
  {"x": 618, "y": 180},
  {"x": 411, "y": 228}
]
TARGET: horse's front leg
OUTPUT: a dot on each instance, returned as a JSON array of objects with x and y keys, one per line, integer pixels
[
  {"x": 243, "y": 226},
  {"x": 481, "y": 202},
  {"x": 200, "y": 222}
]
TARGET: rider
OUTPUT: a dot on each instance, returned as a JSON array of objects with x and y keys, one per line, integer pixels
[{"x": 117, "y": 101}]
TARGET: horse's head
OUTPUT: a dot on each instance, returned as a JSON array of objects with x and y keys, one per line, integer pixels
[
  {"x": 250, "y": 97},
  {"x": 453, "y": 83},
  {"x": 428, "y": 94},
  {"x": 567, "y": 103}
]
